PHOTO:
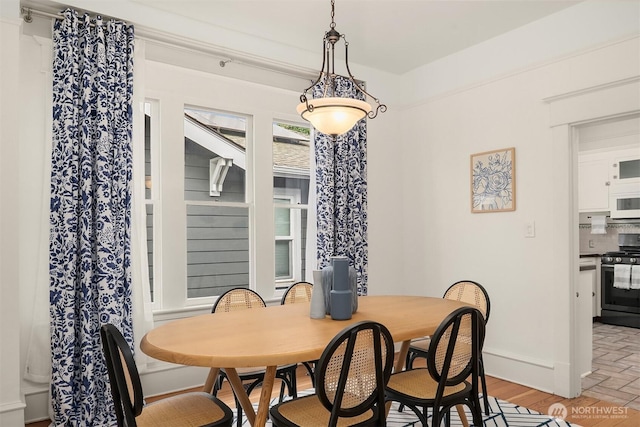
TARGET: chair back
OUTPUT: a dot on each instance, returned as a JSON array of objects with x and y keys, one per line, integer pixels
[
  {"x": 126, "y": 388},
  {"x": 298, "y": 292},
  {"x": 238, "y": 299},
  {"x": 472, "y": 293},
  {"x": 353, "y": 371},
  {"x": 455, "y": 347}
]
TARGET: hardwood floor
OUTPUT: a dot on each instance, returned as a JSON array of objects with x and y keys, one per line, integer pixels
[{"x": 583, "y": 411}]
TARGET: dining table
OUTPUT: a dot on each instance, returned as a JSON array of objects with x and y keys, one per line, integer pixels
[{"x": 281, "y": 335}]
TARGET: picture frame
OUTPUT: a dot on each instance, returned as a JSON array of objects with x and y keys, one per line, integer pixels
[{"x": 493, "y": 181}]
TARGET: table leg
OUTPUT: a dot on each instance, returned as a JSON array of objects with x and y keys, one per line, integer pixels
[
  {"x": 404, "y": 349},
  {"x": 241, "y": 395},
  {"x": 265, "y": 396},
  {"x": 462, "y": 415},
  {"x": 211, "y": 379}
]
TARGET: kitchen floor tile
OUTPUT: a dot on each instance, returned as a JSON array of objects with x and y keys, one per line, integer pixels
[{"x": 615, "y": 375}]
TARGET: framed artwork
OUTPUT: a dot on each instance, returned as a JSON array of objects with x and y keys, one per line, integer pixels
[{"x": 493, "y": 181}]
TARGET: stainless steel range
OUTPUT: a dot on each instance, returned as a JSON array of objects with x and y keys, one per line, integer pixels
[{"x": 620, "y": 299}]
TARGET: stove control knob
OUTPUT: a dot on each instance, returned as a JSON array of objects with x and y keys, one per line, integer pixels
[
  {"x": 618, "y": 259},
  {"x": 608, "y": 259},
  {"x": 633, "y": 260}
]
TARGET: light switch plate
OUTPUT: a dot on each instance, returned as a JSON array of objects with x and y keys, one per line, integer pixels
[{"x": 530, "y": 229}]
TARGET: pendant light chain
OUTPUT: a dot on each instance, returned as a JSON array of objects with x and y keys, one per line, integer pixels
[{"x": 333, "y": 13}]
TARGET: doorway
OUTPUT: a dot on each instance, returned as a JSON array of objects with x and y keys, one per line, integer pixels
[
  {"x": 613, "y": 374},
  {"x": 568, "y": 111}
]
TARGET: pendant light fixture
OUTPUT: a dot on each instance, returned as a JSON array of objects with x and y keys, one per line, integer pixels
[{"x": 331, "y": 114}]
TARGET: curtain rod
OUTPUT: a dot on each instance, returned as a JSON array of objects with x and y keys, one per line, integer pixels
[
  {"x": 182, "y": 42},
  {"x": 28, "y": 12},
  {"x": 27, "y": 15}
]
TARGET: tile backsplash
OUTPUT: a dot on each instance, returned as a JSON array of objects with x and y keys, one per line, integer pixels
[{"x": 601, "y": 243}]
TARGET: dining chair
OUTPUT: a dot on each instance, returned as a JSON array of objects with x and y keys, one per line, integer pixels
[
  {"x": 453, "y": 357},
  {"x": 186, "y": 409},
  {"x": 472, "y": 293},
  {"x": 351, "y": 375},
  {"x": 245, "y": 299},
  {"x": 300, "y": 292}
]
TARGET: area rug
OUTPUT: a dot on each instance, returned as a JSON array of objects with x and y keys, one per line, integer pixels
[{"x": 503, "y": 414}]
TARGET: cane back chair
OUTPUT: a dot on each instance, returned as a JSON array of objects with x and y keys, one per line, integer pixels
[
  {"x": 453, "y": 357},
  {"x": 472, "y": 293},
  {"x": 186, "y": 409},
  {"x": 351, "y": 375}
]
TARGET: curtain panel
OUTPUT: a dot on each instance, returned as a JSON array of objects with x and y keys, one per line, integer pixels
[
  {"x": 341, "y": 191},
  {"x": 90, "y": 211}
]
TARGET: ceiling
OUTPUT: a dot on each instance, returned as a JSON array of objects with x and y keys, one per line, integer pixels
[{"x": 391, "y": 35}]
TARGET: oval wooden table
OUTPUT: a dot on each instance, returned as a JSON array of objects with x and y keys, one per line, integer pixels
[{"x": 283, "y": 334}]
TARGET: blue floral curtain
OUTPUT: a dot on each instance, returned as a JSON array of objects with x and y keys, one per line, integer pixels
[
  {"x": 341, "y": 191},
  {"x": 89, "y": 252}
]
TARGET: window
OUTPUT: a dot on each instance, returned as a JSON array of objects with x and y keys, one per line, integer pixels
[
  {"x": 213, "y": 157},
  {"x": 217, "y": 215},
  {"x": 291, "y": 158}
]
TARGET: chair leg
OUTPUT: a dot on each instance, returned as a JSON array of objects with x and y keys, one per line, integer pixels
[
  {"x": 238, "y": 412},
  {"x": 309, "y": 369},
  {"x": 483, "y": 382},
  {"x": 476, "y": 413},
  {"x": 289, "y": 380}
]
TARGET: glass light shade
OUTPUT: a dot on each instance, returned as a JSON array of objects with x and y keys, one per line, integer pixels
[{"x": 334, "y": 115}]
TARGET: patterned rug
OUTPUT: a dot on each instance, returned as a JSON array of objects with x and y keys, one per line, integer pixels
[{"x": 503, "y": 414}]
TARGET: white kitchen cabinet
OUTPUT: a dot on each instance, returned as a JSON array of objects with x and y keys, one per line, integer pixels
[{"x": 593, "y": 183}]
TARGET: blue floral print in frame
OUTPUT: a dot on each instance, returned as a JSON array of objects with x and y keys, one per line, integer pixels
[{"x": 493, "y": 181}]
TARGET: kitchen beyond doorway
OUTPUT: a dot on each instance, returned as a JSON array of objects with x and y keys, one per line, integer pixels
[{"x": 615, "y": 375}]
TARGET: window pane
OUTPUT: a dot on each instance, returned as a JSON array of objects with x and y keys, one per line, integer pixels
[
  {"x": 217, "y": 249},
  {"x": 150, "y": 142},
  {"x": 147, "y": 150},
  {"x": 214, "y": 149},
  {"x": 150, "y": 245},
  {"x": 283, "y": 222},
  {"x": 291, "y": 174},
  {"x": 291, "y": 153},
  {"x": 283, "y": 259},
  {"x": 290, "y": 257}
]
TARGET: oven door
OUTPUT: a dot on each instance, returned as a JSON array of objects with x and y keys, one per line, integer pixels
[{"x": 614, "y": 299}]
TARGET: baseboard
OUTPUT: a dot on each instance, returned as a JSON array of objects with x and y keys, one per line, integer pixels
[
  {"x": 37, "y": 404},
  {"x": 12, "y": 413},
  {"x": 530, "y": 372}
]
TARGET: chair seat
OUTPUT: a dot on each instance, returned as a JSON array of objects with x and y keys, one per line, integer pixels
[
  {"x": 418, "y": 385},
  {"x": 188, "y": 410},
  {"x": 308, "y": 411}
]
